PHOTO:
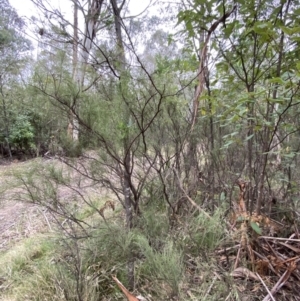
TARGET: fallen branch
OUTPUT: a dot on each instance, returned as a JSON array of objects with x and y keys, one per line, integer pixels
[
  {"x": 210, "y": 287},
  {"x": 243, "y": 273},
  {"x": 285, "y": 276},
  {"x": 279, "y": 238},
  {"x": 270, "y": 294},
  {"x": 128, "y": 295}
]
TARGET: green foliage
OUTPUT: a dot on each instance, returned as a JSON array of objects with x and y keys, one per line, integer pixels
[
  {"x": 72, "y": 149},
  {"x": 203, "y": 234},
  {"x": 154, "y": 223},
  {"x": 4, "y": 37},
  {"x": 256, "y": 228},
  {"x": 247, "y": 126},
  {"x": 165, "y": 266},
  {"x": 111, "y": 247},
  {"x": 12, "y": 44},
  {"x": 22, "y": 133}
]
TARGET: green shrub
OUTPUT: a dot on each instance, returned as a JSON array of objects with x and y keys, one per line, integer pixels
[
  {"x": 163, "y": 268},
  {"x": 201, "y": 233},
  {"x": 72, "y": 149},
  {"x": 22, "y": 133}
]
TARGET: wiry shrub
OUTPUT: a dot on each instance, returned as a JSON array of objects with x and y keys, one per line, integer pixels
[
  {"x": 202, "y": 233},
  {"x": 162, "y": 270}
]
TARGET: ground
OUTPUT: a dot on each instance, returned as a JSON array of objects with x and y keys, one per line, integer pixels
[
  {"x": 250, "y": 259},
  {"x": 22, "y": 220},
  {"x": 18, "y": 220}
]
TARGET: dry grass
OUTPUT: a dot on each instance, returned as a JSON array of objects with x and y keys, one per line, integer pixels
[{"x": 25, "y": 226}]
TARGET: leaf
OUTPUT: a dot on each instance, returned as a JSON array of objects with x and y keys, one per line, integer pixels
[
  {"x": 290, "y": 31},
  {"x": 290, "y": 155},
  {"x": 227, "y": 144},
  {"x": 276, "y": 80},
  {"x": 256, "y": 228},
  {"x": 249, "y": 137},
  {"x": 241, "y": 219},
  {"x": 257, "y": 128},
  {"x": 229, "y": 29},
  {"x": 222, "y": 196},
  {"x": 203, "y": 112}
]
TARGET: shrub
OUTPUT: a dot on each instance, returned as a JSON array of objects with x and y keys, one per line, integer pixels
[{"x": 22, "y": 133}]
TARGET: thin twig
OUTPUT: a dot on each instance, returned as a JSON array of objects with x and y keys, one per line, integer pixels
[
  {"x": 237, "y": 257},
  {"x": 279, "y": 238},
  {"x": 210, "y": 287},
  {"x": 227, "y": 249},
  {"x": 279, "y": 284},
  {"x": 227, "y": 298},
  {"x": 46, "y": 218},
  {"x": 261, "y": 280}
]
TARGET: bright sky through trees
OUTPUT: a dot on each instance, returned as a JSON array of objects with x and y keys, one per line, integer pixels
[{"x": 27, "y": 9}]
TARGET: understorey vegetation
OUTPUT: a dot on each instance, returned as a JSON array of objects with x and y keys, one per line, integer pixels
[{"x": 150, "y": 155}]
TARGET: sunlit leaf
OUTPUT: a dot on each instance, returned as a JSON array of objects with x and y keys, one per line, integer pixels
[
  {"x": 249, "y": 137},
  {"x": 256, "y": 228}
]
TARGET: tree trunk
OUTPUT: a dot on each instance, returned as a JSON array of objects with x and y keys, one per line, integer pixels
[
  {"x": 202, "y": 77},
  {"x": 80, "y": 58},
  {"x": 6, "y": 122},
  {"x": 73, "y": 127}
]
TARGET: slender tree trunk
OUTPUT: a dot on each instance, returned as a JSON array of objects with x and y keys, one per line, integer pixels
[
  {"x": 212, "y": 163},
  {"x": 80, "y": 58},
  {"x": 250, "y": 133},
  {"x": 6, "y": 128},
  {"x": 192, "y": 164},
  {"x": 73, "y": 127},
  {"x": 200, "y": 88}
]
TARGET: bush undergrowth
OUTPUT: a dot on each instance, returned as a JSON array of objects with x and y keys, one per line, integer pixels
[
  {"x": 63, "y": 268},
  {"x": 77, "y": 262}
]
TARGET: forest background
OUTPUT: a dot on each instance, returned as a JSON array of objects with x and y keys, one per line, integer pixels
[{"x": 166, "y": 148}]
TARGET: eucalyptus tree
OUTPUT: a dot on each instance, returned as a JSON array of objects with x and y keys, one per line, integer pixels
[
  {"x": 202, "y": 21},
  {"x": 90, "y": 12},
  {"x": 256, "y": 49},
  {"x": 256, "y": 46}
]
